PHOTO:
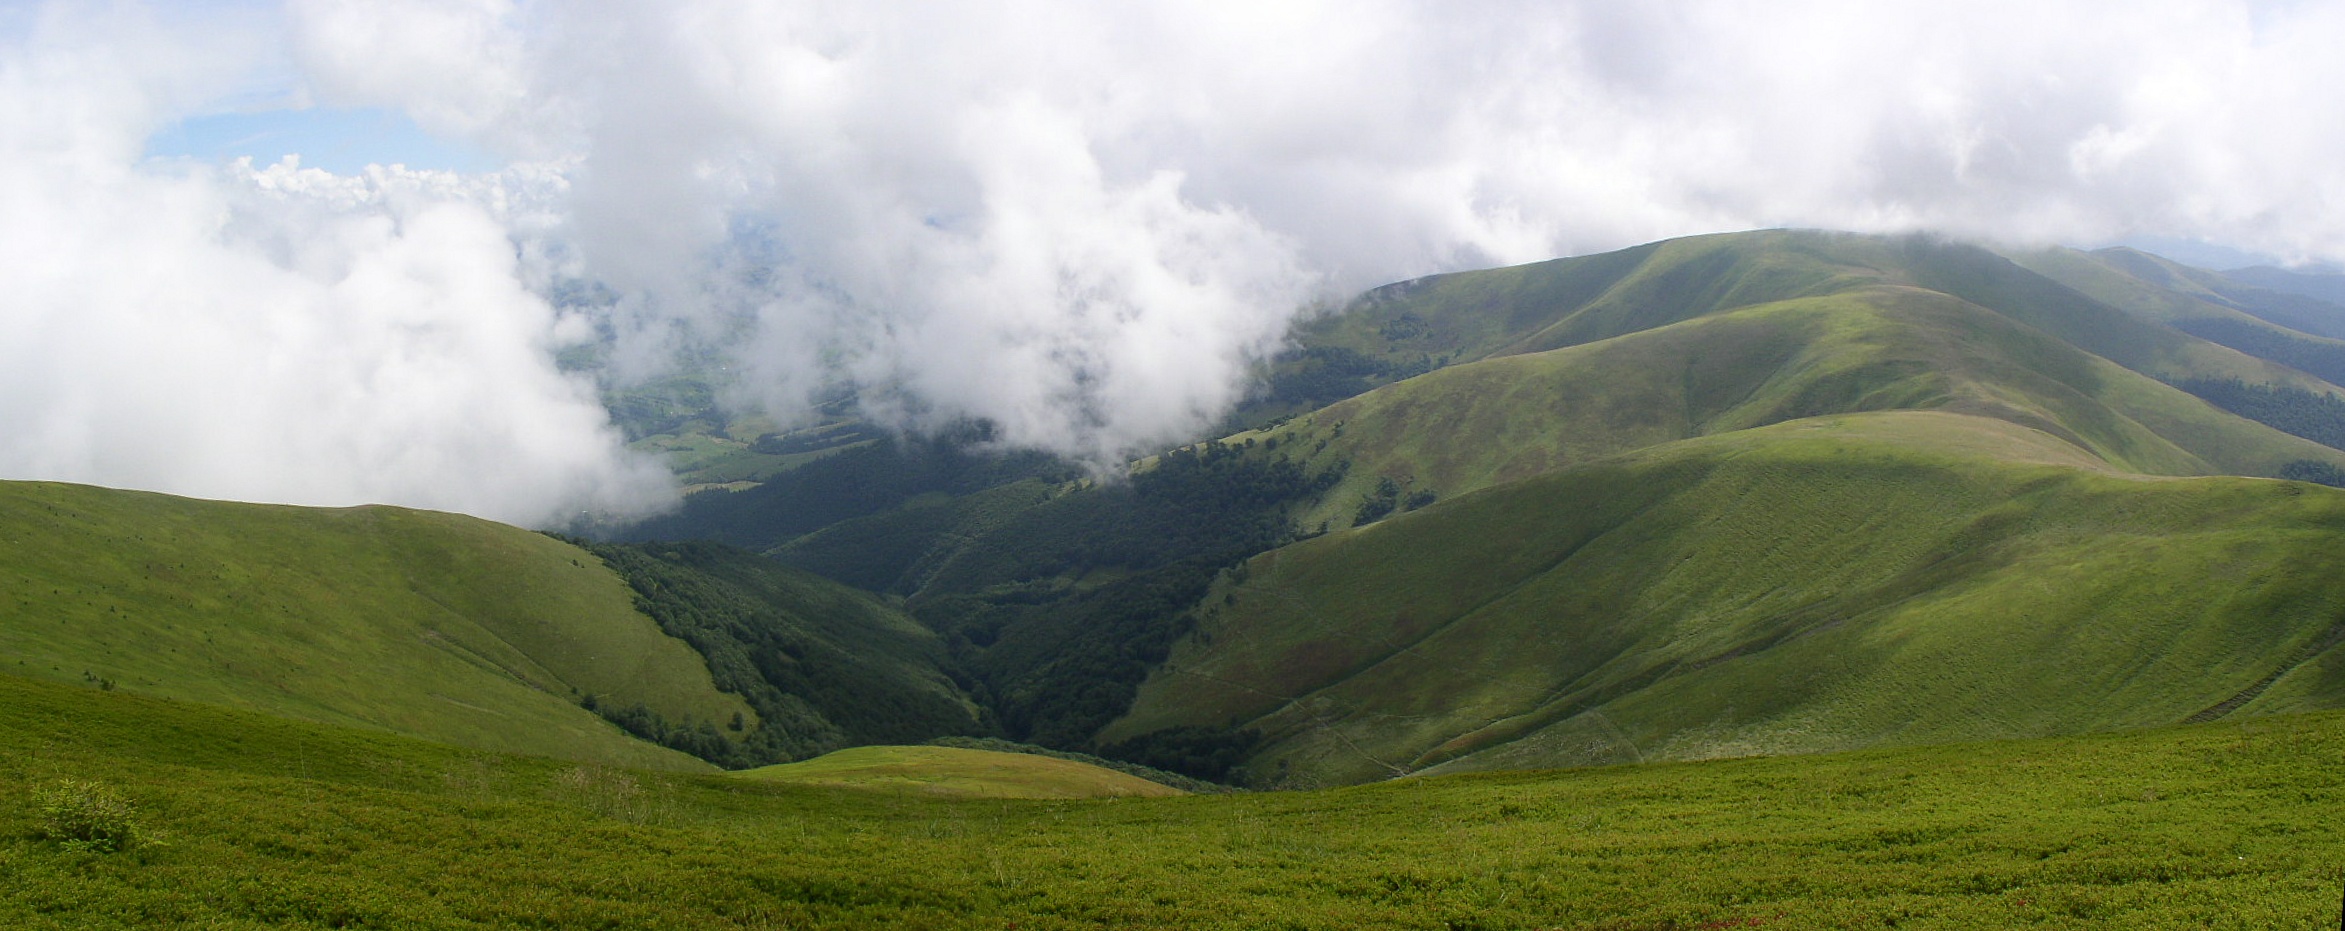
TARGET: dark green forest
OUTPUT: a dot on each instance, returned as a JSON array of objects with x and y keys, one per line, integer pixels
[
  {"x": 2322, "y": 360},
  {"x": 853, "y": 483},
  {"x": 1061, "y": 611},
  {"x": 1051, "y": 601},
  {"x": 2316, "y": 417}
]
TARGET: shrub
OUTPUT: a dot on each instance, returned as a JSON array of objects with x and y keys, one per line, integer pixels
[{"x": 89, "y": 816}]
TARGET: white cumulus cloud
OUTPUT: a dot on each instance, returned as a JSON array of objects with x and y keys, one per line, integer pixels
[{"x": 266, "y": 335}]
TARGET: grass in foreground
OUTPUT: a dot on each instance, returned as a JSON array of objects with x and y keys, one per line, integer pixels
[{"x": 271, "y": 823}]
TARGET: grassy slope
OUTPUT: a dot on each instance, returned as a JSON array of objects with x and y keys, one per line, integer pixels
[
  {"x": 1815, "y": 585},
  {"x": 1470, "y": 426},
  {"x": 1555, "y": 362},
  {"x": 282, "y": 824},
  {"x": 423, "y": 623},
  {"x": 1567, "y": 302},
  {"x": 954, "y": 772}
]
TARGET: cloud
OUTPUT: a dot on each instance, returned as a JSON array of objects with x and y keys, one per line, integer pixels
[
  {"x": 1084, "y": 221},
  {"x": 272, "y": 335},
  {"x": 1087, "y": 222}
]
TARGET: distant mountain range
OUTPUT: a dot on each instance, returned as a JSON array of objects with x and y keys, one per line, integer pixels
[{"x": 1772, "y": 492}]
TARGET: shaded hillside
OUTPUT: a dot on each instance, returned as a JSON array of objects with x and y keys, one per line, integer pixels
[
  {"x": 435, "y": 625},
  {"x": 1054, "y": 597},
  {"x": 1062, "y": 609},
  {"x": 823, "y": 665},
  {"x": 2312, "y": 302},
  {"x": 1821, "y": 584}
]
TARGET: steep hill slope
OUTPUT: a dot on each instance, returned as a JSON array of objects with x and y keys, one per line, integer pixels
[{"x": 1820, "y": 584}]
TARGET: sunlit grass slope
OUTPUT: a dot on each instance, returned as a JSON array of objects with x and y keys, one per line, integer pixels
[
  {"x": 282, "y": 824},
  {"x": 1817, "y": 585},
  {"x": 1878, "y": 347},
  {"x": 955, "y": 772},
  {"x": 430, "y": 624}
]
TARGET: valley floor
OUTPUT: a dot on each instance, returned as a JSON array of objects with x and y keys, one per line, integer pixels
[{"x": 262, "y": 822}]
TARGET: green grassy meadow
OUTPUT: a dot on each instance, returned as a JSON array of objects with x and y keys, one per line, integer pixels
[{"x": 266, "y": 822}]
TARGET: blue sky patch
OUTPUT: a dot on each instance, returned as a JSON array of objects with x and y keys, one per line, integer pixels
[{"x": 343, "y": 141}]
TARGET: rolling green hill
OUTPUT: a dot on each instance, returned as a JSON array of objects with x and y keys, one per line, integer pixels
[
  {"x": 1470, "y": 426},
  {"x": 458, "y": 629},
  {"x": 1060, "y": 597},
  {"x": 1816, "y": 585},
  {"x": 1468, "y": 316},
  {"x": 429, "y": 624},
  {"x": 268, "y": 822},
  {"x": 1536, "y": 367}
]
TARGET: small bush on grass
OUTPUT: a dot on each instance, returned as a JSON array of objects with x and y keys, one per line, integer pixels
[{"x": 89, "y": 816}]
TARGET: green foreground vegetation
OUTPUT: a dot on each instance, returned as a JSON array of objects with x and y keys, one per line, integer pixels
[{"x": 248, "y": 821}]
